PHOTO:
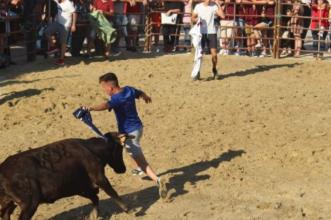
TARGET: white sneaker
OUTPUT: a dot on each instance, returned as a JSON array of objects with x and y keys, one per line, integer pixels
[
  {"x": 221, "y": 52},
  {"x": 163, "y": 191},
  {"x": 263, "y": 54}
]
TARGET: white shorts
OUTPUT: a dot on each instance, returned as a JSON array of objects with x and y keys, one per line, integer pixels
[
  {"x": 132, "y": 146},
  {"x": 227, "y": 29}
]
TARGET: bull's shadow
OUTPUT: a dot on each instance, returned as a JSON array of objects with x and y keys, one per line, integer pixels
[{"x": 140, "y": 201}]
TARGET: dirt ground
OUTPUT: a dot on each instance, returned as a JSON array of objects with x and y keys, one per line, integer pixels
[{"x": 253, "y": 145}]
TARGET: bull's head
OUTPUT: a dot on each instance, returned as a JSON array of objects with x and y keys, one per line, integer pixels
[{"x": 117, "y": 141}]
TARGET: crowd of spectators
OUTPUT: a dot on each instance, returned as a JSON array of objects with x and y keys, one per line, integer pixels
[{"x": 246, "y": 29}]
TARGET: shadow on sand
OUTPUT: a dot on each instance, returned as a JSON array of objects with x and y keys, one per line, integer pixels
[
  {"x": 22, "y": 94},
  {"x": 255, "y": 70},
  {"x": 141, "y": 201}
]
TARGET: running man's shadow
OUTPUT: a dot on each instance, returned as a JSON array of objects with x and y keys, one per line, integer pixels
[
  {"x": 254, "y": 70},
  {"x": 141, "y": 201}
]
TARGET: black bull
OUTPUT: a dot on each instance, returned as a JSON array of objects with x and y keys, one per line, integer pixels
[{"x": 61, "y": 169}]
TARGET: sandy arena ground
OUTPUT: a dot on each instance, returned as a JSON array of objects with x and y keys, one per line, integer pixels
[{"x": 254, "y": 145}]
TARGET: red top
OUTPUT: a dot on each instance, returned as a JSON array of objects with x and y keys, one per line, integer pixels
[
  {"x": 107, "y": 6},
  {"x": 319, "y": 16},
  {"x": 250, "y": 19},
  {"x": 270, "y": 11},
  {"x": 229, "y": 11},
  {"x": 134, "y": 9}
]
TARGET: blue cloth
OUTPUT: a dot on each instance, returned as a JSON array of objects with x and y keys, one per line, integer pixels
[
  {"x": 85, "y": 116},
  {"x": 124, "y": 106}
]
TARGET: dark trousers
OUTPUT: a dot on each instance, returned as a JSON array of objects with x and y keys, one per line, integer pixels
[
  {"x": 321, "y": 38},
  {"x": 306, "y": 22},
  {"x": 77, "y": 40}
]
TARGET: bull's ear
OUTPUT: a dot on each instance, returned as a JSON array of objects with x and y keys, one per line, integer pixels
[{"x": 123, "y": 137}]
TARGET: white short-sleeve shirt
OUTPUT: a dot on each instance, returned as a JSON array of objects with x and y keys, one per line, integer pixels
[
  {"x": 65, "y": 10},
  {"x": 207, "y": 15}
]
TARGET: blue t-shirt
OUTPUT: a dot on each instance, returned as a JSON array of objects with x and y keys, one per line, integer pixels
[{"x": 124, "y": 106}]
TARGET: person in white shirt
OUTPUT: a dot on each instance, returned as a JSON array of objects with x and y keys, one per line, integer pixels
[
  {"x": 207, "y": 12},
  {"x": 65, "y": 21}
]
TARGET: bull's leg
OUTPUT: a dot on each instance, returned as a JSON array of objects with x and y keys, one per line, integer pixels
[
  {"x": 100, "y": 179},
  {"x": 6, "y": 210},
  {"x": 91, "y": 194},
  {"x": 28, "y": 209},
  {"x": 25, "y": 192}
]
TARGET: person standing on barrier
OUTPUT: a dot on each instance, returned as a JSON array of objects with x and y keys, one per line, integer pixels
[
  {"x": 171, "y": 30},
  {"x": 134, "y": 13},
  {"x": 227, "y": 26},
  {"x": 65, "y": 21},
  {"x": 251, "y": 19},
  {"x": 107, "y": 9},
  {"x": 187, "y": 24},
  {"x": 296, "y": 25},
  {"x": 320, "y": 23},
  {"x": 306, "y": 21},
  {"x": 207, "y": 11}
]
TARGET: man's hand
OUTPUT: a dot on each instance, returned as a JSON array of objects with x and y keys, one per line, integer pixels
[
  {"x": 132, "y": 3},
  {"x": 146, "y": 98},
  {"x": 169, "y": 12},
  {"x": 86, "y": 108},
  {"x": 73, "y": 28}
]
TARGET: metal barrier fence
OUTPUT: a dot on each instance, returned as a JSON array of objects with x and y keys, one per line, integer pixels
[{"x": 240, "y": 37}]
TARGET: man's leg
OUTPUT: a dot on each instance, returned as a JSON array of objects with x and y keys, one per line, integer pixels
[
  {"x": 133, "y": 148},
  {"x": 212, "y": 38}
]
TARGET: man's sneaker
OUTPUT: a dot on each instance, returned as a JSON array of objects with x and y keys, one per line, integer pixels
[
  {"x": 52, "y": 50},
  {"x": 197, "y": 77},
  {"x": 116, "y": 54},
  {"x": 162, "y": 188},
  {"x": 137, "y": 172},
  {"x": 215, "y": 73},
  {"x": 263, "y": 54},
  {"x": 60, "y": 62}
]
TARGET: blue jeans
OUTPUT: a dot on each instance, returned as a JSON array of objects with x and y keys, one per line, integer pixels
[{"x": 187, "y": 37}]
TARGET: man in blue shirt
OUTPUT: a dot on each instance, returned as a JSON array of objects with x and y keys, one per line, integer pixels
[{"x": 122, "y": 101}]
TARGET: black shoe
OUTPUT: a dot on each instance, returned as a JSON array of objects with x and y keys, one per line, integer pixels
[
  {"x": 215, "y": 73},
  {"x": 197, "y": 77}
]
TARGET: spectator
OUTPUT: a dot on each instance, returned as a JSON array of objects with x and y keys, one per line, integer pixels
[
  {"x": 134, "y": 12},
  {"x": 187, "y": 24},
  {"x": 170, "y": 30},
  {"x": 296, "y": 24},
  {"x": 83, "y": 31},
  {"x": 287, "y": 36},
  {"x": 287, "y": 42},
  {"x": 120, "y": 23},
  {"x": 240, "y": 23},
  {"x": 262, "y": 31},
  {"x": 107, "y": 9},
  {"x": 251, "y": 19},
  {"x": 65, "y": 21},
  {"x": 155, "y": 6},
  {"x": 306, "y": 21},
  {"x": 227, "y": 26},
  {"x": 319, "y": 22}
]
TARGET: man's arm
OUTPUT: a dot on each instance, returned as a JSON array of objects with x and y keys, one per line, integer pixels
[
  {"x": 100, "y": 107},
  {"x": 220, "y": 11},
  {"x": 74, "y": 19},
  {"x": 145, "y": 97}
]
